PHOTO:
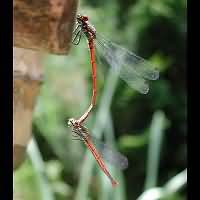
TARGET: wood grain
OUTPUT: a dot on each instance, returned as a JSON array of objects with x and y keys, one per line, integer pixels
[{"x": 44, "y": 25}]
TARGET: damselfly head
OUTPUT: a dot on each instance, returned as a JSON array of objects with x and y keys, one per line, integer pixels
[
  {"x": 82, "y": 18},
  {"x": 71, "y": 122}
]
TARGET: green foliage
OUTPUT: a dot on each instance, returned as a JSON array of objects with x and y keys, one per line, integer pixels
[{"x": 130, "y": 122}]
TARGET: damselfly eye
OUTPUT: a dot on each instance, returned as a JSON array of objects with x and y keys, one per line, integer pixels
[
  {"x": 85, "y": 18},
  {"x": 70, "y": 122}
]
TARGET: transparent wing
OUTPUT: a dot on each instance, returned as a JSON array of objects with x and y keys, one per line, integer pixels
[
  {"x": 111, "y": 156},
  {"x": 133, "y": 69}
]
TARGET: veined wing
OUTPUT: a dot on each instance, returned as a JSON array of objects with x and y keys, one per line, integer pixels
[
  {"x": 111, "y": 156},
  {"x": 133, "y": 69}
]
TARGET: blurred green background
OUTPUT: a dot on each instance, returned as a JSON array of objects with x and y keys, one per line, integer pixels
[{"x": 151, "y": 130}]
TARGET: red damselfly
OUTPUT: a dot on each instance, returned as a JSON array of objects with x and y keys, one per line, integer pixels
[
  {"x": 99, "y": 150},
  {"x": 134, "y": 70}
]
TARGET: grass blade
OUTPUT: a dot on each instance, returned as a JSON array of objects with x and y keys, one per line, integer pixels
[
  {"x": 155, "y": 142},
  {"x": 38, "y": 165}
]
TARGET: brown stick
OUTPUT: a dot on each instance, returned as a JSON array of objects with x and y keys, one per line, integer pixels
[{"x": 44, "y": 25}]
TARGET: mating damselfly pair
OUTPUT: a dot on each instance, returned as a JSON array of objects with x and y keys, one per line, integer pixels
[{"x": 134, "y": 70}]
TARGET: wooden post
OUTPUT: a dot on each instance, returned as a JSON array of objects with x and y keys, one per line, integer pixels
[
  {"x": 26, "y": 86},
  {"x": 39, "y": 26},
  {"x": 44, "y": 25}
]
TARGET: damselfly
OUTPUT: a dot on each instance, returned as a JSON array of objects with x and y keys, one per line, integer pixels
[
  {"x": 134, "y": 70},
  {"x": 99, "y": 150}
]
